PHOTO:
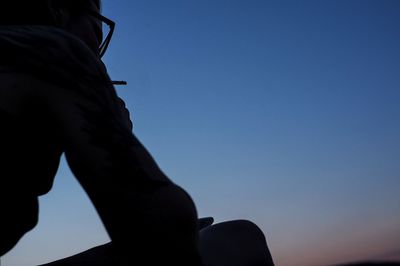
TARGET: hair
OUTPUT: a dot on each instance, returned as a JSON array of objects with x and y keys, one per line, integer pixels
[{"x": 19, "y": 12}]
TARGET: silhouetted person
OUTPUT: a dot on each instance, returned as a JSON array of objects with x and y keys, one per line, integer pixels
[{"x": 55, "y": 98}]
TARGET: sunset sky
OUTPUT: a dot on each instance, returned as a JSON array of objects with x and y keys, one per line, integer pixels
[{"x": 285, "y": 113}]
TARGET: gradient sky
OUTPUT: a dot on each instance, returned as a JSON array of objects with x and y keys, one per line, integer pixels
[{"x": 285, "y": 113}]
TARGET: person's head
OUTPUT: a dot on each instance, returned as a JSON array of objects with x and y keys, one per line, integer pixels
[{"x": 71, "y": 15}]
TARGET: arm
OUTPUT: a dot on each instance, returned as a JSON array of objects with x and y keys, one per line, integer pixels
[{"x": 137, "y": 203}]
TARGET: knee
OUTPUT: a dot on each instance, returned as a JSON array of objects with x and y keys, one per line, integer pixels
[{"x": 220, "y": 242}]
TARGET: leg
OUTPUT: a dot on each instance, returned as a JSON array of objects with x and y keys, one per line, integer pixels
[{"x": 234, "y": 243}]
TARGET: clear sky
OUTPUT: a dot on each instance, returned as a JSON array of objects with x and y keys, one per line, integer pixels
[{"x": 285, "y": 113}]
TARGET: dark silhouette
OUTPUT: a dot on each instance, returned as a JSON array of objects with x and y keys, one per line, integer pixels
[
  {"x": 56, "y": 97},
  {"x": 234, "y": 243},
  {"x": 231, "y": 243}
]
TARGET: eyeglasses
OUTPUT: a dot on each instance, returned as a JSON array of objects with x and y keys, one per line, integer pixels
[
  {"x": 111, "y": 26},
  {"x": 106, "y": 41}
]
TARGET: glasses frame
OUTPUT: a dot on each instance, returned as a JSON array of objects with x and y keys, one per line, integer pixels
[{"x": 111, "y": 24}]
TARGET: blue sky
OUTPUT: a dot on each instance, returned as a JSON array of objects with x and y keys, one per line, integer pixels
[{"x": 285, "y": 113}]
